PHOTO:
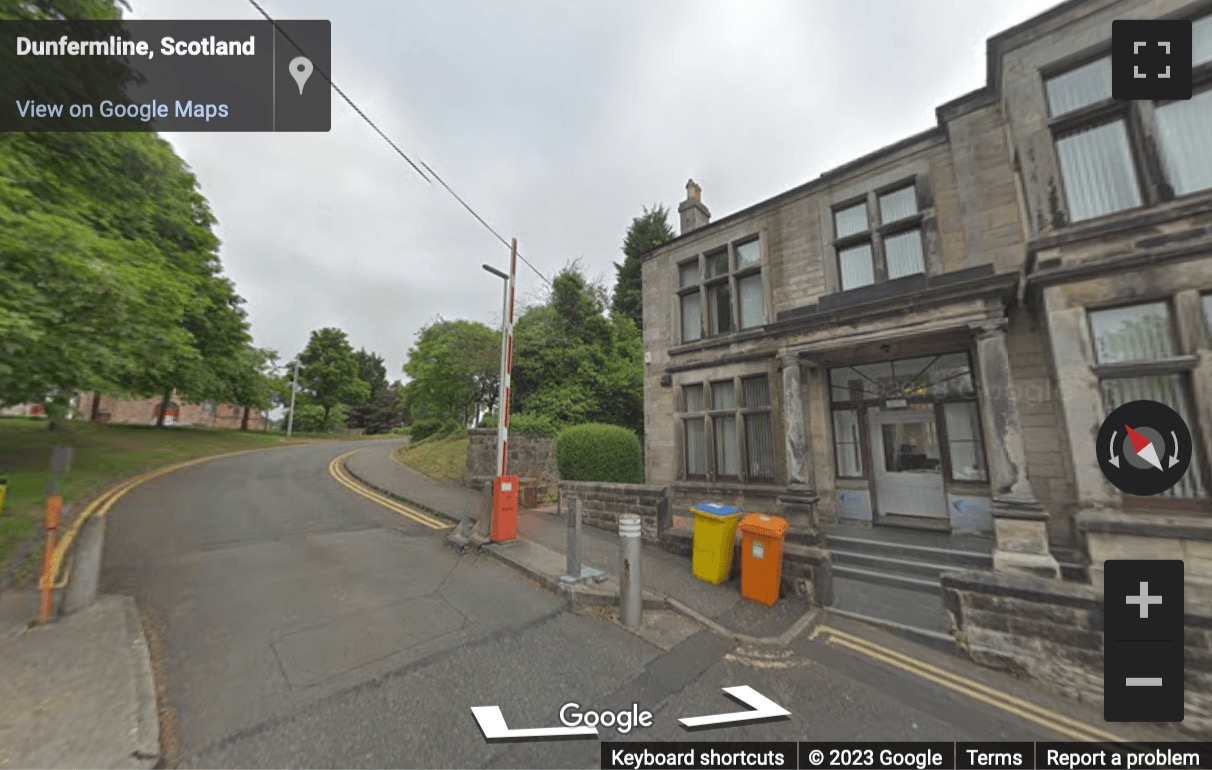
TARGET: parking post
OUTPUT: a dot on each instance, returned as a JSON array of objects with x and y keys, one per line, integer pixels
[
  {"x": 574, "y": 538},
  {"x": 631, "y": 598}
]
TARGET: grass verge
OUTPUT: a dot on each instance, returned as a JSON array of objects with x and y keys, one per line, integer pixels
[
  {"x": 442, "y": 458},
  {"x": 103, "y": 455}
]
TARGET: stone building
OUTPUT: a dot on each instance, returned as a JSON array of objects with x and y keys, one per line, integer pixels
[{"x": 929, "y": 337}]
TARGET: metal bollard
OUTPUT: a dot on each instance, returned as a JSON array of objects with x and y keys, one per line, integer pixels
[
  {"x": 573, "y": 551},
  {"x": 631, "y": 598}
]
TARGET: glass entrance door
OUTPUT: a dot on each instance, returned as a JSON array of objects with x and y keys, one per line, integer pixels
[{"x": 907, "y": 463}]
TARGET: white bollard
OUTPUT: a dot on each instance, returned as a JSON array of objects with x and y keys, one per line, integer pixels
[{"x": 631, "y": 597}]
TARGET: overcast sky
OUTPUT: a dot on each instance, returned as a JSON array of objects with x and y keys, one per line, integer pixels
[{"x": 557, "y": 122}]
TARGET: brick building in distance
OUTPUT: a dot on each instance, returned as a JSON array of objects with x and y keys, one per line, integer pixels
[{"x": 126, "y": 410}]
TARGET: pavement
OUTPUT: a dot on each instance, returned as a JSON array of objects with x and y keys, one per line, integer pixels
[
  {"x": 77, "y": 692},
  {"x": 540, "y": 549}
]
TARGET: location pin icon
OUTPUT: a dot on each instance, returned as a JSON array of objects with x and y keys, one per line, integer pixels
[{"x": 300, "y": 70}]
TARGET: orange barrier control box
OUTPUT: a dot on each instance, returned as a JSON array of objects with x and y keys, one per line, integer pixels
[
  {"x": 762, "y": 557},
  {"x": 504, "y": 508}
]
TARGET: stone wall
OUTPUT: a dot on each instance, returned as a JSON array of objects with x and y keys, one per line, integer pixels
[
  {"x": 530, "y": 457},
  {"x": 1052, "y": 634},
  {"x": 602, "y": 503},
  {"x": 1115, "y": 535}
]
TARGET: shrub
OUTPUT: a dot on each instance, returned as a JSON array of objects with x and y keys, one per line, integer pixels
[
  {"x": 525, "y": 424},
  {"x": 533, "y": 425},
  {"x": 598, "y": 452},
  {"x": 433, "y": 426}
]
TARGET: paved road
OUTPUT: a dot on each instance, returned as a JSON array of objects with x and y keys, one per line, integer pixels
[{"x": 298, "y": 624}]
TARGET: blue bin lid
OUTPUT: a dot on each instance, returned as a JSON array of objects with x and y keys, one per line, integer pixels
[{"x": 717, "y": 509}]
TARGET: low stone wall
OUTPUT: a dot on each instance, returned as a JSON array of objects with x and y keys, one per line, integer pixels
[
  {"x": 1052, "y": 633},
  {"x": 602, "y": 503},
  {"x": 530, "y": 457},
  {"x": 808, "y": 572}
]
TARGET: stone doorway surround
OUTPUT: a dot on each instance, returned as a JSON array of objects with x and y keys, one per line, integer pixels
[{"x": 1020, "y": 522}]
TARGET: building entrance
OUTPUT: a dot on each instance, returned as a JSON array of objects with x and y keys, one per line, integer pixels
[{"x": 906, "y": 462}]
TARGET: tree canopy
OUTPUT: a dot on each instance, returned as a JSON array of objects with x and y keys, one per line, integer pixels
[
  {"x": 328, "y": 373},
  {"x": 573, "y": 363},
  {"x": 647, "y": 231},
  {"x": 454, "y": 371}
]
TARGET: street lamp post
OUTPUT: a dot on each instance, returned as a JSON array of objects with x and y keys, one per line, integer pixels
[
  {"x": 501, "y": 427},
  {"x": 294, "y": 388},
  {"x": 504, "y": 522}
]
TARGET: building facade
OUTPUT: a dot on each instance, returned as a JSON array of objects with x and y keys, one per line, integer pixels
[
  {"x": 99, "y": 407},
  {"x": 930, "y": 336},
  {"x": 124, "y": 410}
]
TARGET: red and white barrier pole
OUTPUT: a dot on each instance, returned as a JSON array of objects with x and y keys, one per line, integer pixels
[
  {"x": 506, "y": 363},
  {"x": 504, "y": 525},
  {"x": 503, "y": 431}
]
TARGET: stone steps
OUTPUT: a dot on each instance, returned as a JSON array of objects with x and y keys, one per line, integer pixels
[{"x": 891, "y": 577}]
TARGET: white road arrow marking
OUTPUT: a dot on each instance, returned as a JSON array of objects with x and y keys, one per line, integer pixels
[
  {"x": 1174, "y": 457},
  {"x": 762, "y": 708},
  {"x": 492, "y": 724}
]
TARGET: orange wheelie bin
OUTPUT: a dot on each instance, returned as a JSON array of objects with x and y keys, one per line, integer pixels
[{"x": 762, "y": 557}]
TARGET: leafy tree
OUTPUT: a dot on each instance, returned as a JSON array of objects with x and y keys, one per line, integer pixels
[
  {"x": 384, "y": 412},
  {"x": 454, "y": 371},
  {"x": 310, "y": 418},
  {"x": 648, "y": 231},
  {"x": 573, "y": 364},
  {"x": 372, "y": 371},
  {"x": 36, "y": 10},
  {"x": 253, "y": 381},
  {"x": 111, "y": 277},
  {"x": 328, "y": 372}
]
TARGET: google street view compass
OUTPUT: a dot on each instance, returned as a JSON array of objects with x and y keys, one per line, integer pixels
[{"x": 1144, "y": 447}]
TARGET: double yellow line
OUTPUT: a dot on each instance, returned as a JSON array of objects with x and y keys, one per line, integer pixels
[
  {"x": 1051, "y": 720},
  {"x": 336, "y": 469},
  {"x": 99, "y": 506}
]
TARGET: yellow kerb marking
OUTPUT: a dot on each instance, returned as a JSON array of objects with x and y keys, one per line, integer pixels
[
  {"x": 1024, "y": 709},
  {"x": 336, "y": 469}
]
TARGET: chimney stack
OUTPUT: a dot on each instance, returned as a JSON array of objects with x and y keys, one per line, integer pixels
[{"x": 694, "y": 213}]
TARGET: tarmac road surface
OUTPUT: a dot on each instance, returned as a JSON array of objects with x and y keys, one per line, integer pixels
[{"x": 296, "y": 624}]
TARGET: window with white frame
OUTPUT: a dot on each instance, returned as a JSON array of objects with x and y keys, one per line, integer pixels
[
  {"x": 1136, "y": 358},
  {"x": 727, "y": 430},
  {"x": 879, "y": 238},
  {"x": 1098, "y": 139},
  {"x": 721, "y": 292}
]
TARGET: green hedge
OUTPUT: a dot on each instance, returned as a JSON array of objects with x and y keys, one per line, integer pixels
[
  {"x": 598, "y": 452},
  {"x": 423, "y": 429},
  {"x": 522, "y": 424}
]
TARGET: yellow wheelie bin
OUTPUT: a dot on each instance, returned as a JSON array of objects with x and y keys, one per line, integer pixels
[{"x": 714, "y": 541}]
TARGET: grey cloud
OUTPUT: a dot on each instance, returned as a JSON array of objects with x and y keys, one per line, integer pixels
[{"x": 557, "y": 121}]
